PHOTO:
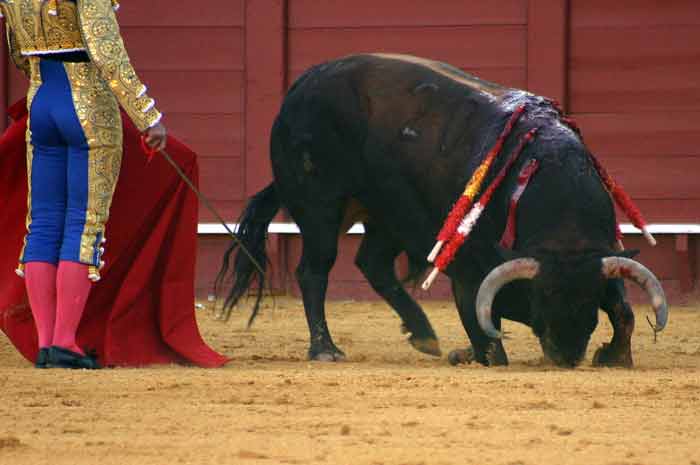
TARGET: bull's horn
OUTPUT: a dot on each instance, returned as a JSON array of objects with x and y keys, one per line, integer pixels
[
  {"x": 621, "y": 267},
  {"x": 521, "y": 268}
]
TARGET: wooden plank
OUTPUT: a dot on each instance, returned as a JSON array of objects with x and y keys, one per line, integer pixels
[
  {"x": 181, "y": 48},
  {"x": 653, "y": 92},
  {"x": 265, "y": 84},
  {"x": 470, "y": 47},
  {"x": 635, "y": 70},
  {"x": 230, "y": 210},
  {"x": 196, "y": 91},
  {"x": 642, "y": 134},
  {"x": 160, "y": 13},
  {"x": 344, "y": 268},
  {"x": 345, "y": 280},
  {"x": 684, "y": 263},
  {"x": 266, "y": 74},
  {"x": 694, "y": 244},
  {"x": 210, "y": 134},
  {"x": 656, "y": 177},
  {"x": 625, "y": 47},
  {"x": 667, "y": 210},
  {"x": 221, "y": 178},
  {"x": 695, "y": 251},
  {"x": 210, "y": 252},
  {"x": 634, "y": 13},
  {"x": 547, "y": 48},
  {"x": 659, "y": 259},
  {"x": 180, "y": 91},
  {"x": 371, "y": 13}
]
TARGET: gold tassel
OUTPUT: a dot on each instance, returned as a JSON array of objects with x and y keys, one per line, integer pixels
[
  {"x": 53, "y": 7},
  {"x": 93, "y": 274},
  {"x": 20, "y": 270}
]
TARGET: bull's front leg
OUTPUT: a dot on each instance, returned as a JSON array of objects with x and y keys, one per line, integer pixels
[
  {"x": 618, "y": 352},
  {"x": 484, "y": 350}
]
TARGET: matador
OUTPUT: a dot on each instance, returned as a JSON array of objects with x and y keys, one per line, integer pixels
[{"x": 79, "y": 73}]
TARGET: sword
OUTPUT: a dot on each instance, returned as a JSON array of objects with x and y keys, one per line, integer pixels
[{"x": 150, "y": 152}]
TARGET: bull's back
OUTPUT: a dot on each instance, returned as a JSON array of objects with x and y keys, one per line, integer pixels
[
  {"x": 393, "y": 129},
  {"x": 372, "y": 117}
]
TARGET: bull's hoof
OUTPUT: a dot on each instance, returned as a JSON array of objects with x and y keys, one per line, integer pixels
[
  {"x": 427, "y": 345},
  {"x": 327, "y": 355},
  {"x": 608, "y": 355},
  {"x": 461, "y": 356},
  {"x": 494, "y": 355}
]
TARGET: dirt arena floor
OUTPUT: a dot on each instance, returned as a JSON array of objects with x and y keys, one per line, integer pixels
[{"x": 386, "y": 405}]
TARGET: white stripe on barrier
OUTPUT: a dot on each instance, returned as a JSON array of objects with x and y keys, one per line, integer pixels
[
  {"x": 358, "y": 228},
  {"x": 663, "y": 228}
]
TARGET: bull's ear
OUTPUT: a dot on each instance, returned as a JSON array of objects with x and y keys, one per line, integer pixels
[{"x": 630, "y": 253}]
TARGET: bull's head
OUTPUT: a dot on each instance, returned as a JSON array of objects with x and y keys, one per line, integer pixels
[{"x": 564, "y": 304}]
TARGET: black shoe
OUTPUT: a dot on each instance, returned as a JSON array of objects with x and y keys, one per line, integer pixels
[
  {"x": 42, "y": 359},
  {"x": 64, "y": 358}
]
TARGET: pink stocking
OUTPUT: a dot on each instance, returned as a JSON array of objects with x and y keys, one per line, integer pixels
[
  {"x": 73, "y": 288},
  {"x": 40, "y": 279}
]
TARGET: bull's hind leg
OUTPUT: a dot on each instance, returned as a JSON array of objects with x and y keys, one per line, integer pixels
[
  {"x": 319, "y": 231},
  {"x": 375, "y": 259},
  {"x": 618, "y": 352}
]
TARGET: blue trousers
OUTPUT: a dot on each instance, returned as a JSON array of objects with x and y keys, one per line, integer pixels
[{"x": 73, "y": 162}]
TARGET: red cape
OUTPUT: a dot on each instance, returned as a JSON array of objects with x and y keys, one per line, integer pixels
[{"x": 142, "y": 312}]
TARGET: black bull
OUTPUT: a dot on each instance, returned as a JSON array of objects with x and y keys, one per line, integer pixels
[{"x": 391, "y": 141}]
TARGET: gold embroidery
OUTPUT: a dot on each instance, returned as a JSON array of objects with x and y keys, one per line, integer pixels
[
  {"x": 38, "y": 31},
  {"x": 89, "y": 25},
  {"x": 20, "y": 61},
  {"x": 98, "y": 113},
  {"x": 34, "y": 84},
  {"x": 106, "y": 49},
  {"x": 62, "y": 31}
]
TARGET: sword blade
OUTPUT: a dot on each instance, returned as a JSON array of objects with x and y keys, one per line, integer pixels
[{"x": 211, "y": 208}]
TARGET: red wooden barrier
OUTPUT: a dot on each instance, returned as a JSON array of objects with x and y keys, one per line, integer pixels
[
  {"x": 628, "y": 71},
  {"x": 547, "y": 49}
]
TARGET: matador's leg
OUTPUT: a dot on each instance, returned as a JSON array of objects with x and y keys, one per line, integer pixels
[{"x": 91, "y": 124}]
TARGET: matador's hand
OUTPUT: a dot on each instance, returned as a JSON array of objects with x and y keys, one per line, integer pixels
[{"x": 157, "y": 137}]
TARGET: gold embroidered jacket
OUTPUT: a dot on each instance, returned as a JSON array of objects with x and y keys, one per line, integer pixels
[{"x": 41, "y": 27}]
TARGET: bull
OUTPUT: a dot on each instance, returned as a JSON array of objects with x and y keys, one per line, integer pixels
[{"x": 391, "y": 140}]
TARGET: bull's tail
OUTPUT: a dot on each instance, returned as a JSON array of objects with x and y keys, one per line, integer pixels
[{"x": 252, "y": 234}]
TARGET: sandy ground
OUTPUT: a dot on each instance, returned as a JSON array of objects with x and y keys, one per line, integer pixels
[{"x": 387, "y": 405}]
